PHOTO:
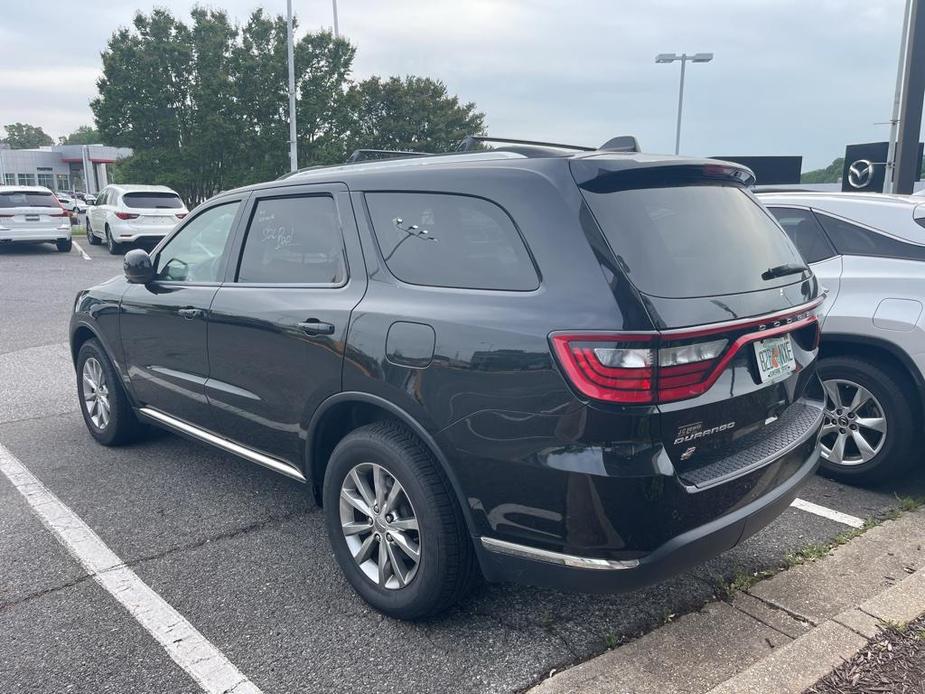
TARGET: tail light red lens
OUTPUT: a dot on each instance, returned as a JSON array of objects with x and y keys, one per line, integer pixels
[
  {"x": 126, "y": 215},
  {"x": 651, "y": 368},
  {"x": 181, "y": 215}
]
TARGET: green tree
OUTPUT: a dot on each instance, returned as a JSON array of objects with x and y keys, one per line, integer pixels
[
  {"x": 84, "y": 135},
  {"x": 204, "y": 105},
  {"x": 830, "y": 174},
  {"x": 25, "y": 136},
  {"x": 415, "y": 113}
]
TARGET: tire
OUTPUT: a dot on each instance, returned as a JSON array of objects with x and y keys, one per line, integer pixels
[
  {"x": 92, "y": 238},
  {"x": 64, "y": 245},
  {"x": 892, "y": 447},
  {"x": 112, "y": 246},
  {"x": 447, "y": 566},
  {"x": 121, "y": 426}
]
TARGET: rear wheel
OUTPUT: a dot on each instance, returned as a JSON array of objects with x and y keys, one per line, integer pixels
[
  {"x": 64, "y": 245},
  {"x": 394, "y": 524},
  {"x": 867, "y": 433},
  {"x": 103, "y": 402},
  {"x": 111, "y": 245}
]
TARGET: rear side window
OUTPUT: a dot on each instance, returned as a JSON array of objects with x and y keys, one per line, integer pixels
[
  {"x": 803, "y": 229},
  {"x": 850, "y": 239},
  {"x": 443, "y": 240},
  {"x": 294, "y": 240},
  {"x": 692, "y": 240},
  {"x": 167, "y": 201},
  {"x": 24, "y": 198}
]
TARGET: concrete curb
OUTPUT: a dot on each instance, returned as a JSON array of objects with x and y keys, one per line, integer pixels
[{"x": 781, "y": 635}]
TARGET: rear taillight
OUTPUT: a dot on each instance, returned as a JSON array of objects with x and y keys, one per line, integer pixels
[
  {"x": 636, "y": 368},
  {"x": 651, "y": 368},
  {"x": 62, "y": 213},
  {"x": 126, "y": 215},
  {"x": 181, "y": 215}
]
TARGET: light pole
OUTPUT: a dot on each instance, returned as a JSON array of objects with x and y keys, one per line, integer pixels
[
  {"x": 336, "y": 33},
  {"x": 684, "y": 57},
  {"x": 293, "y": 147}
]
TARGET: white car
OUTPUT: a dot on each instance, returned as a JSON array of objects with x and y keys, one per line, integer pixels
[
  {"x": 868, "y": 250},
  {"x": 133, "y": 213},
  {"x": 70, "y": 203},
  {"x": 33, "y": 213}
]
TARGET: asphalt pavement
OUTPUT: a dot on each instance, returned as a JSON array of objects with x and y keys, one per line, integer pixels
[{"x": 242, "y": 554}]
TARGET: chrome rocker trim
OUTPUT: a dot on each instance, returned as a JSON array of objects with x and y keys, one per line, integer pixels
[
  {"x": 525, "y": 552},
  {"x": 226, "y": 445}
]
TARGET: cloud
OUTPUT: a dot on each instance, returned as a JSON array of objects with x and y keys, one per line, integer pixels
[{"x": 789, "y": 77}]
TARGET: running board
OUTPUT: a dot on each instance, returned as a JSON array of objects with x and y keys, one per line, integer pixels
[{"x": 226, "y": 445}]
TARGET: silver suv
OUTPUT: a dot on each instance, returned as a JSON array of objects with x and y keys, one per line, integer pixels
[{"x": 868, "y": 250}]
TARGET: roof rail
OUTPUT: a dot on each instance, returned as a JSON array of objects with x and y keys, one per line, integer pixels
[
  {"x": 471, "y": 142},
  {"x": 375, "y": 154}
]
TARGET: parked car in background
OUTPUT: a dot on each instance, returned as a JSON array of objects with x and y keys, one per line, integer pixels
[
  {"x": 33, "y": 213},
  {"x": 70, "y": 203},
  {"x": 868, "y": 250},
  {"x": 133, "y": 213},
  {"x": 585, "y": 370}
]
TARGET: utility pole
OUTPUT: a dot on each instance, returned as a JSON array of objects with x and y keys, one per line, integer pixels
[
  {"x": 910, "y": 112},
  {"x": 293, "y": 145},
  {"x": 684, "y": 57},
  {"x": 336, "y": 32},
  {"x": 889, "y": 178}
]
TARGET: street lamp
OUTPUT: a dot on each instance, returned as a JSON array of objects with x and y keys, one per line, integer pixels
[
  {"x": 290, "y": 56},
  {"x": 684, "y": 57}
]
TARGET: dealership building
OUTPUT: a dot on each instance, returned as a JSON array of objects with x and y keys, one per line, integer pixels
[{"x": 60, "y": 167}]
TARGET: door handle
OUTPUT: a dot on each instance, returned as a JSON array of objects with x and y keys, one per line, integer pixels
[
  {"x": 190, "y": 313},
  {"x": 313, "y": 326}
]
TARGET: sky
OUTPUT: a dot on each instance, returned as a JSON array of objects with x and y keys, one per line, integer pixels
[{"x": 789, "y": 77}]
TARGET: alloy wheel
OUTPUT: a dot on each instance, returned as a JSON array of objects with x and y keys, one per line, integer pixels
[
  {"x": 855, "y": 426},
  {"x": 379, "y": 526},
  {"x": 96, "y": 393}
]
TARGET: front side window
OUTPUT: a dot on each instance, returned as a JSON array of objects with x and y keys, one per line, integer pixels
[
  {"x": 197, "y": 253},
  {"x": 803, "y": 229},
  {"x": 294, "y": 240},
  {"x": 850, "y": 239},
  {"x": 443, "y": 240}
]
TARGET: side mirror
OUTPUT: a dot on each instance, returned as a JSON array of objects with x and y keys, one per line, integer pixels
[{"x": 138, "y": 267}]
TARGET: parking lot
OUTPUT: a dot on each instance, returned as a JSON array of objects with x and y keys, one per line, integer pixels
[{"x": 242, "y": 554}]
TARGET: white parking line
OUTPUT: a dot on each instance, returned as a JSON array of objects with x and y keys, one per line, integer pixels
[
  {"x": 81, "y": 250},
  {"x": 189, "y": 649},
  {"x": 829, "y": 513}
]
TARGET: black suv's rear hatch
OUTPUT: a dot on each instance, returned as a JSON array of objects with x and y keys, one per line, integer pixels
[{"x": 732, "y": 301}]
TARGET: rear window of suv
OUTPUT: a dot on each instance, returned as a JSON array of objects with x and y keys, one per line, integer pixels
[
  {"x": 447, "y": 240},
  {"x": 26, "y": 198},
  {"x": 168, "y": 201},
  {"x": 693, "y": 240}
]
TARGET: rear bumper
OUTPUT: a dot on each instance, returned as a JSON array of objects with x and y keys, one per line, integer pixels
[
  {"x": 520, "y": 563},
  {"x": 40, "y": 234},
  {"x": 132, "y": 233}
]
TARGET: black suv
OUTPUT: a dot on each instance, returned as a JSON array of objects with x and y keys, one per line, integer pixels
[{"x": 579, "y": 369}]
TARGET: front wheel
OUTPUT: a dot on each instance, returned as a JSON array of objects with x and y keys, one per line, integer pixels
[
  {"x": 867, "y": 431},
  {"x": 111, "y": 245},
  {"x": 92, "y": 238},
  {"x": 394, "y": 523},
  {"x": 103, "y": 402}
]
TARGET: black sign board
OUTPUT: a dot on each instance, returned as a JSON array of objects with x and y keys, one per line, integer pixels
[
  {"x": 771, "y": 171},
  {"x": 865, "y": 167}
]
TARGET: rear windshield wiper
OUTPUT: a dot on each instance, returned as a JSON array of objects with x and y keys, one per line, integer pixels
[{"x": 783, "y": 270}]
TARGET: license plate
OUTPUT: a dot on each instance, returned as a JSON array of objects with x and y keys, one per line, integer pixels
[
  {"x": 32, "y": 218},
  {"x": 775, "y": 358}
]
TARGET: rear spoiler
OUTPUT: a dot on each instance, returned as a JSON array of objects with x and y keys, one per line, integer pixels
[{"x": 602, "y": 174}]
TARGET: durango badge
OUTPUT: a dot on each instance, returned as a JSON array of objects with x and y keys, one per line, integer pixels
[{"x": 695, "y": 431}]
